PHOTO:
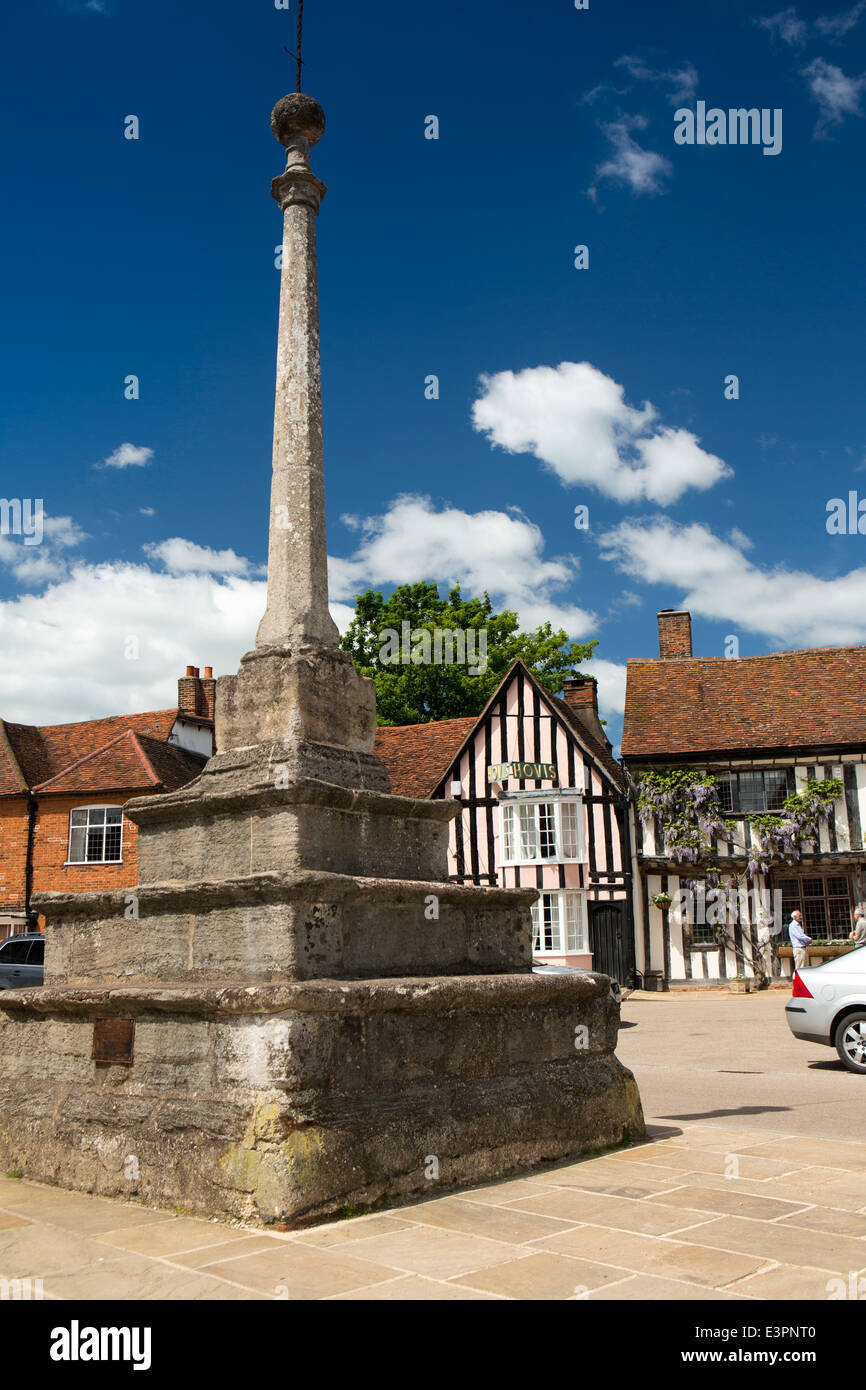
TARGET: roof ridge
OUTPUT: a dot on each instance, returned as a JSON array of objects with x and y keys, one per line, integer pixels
[
  {"x": 145, "y": 761},
  {"x": 88, "y": 757},
  {"x": 755, "y": 656},
  {"x": 102, "y": 719}
]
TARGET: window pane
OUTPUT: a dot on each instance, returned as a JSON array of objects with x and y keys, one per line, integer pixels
[
  {"x": 726, "y": 793},
  {"x": 815, "y": 918},
  {"x": 546, "y": 918},
  {"x": 96, "y": 816},
  {"x": 813, "y": 888},
  {"x": 837, "y": 887},
  {"x": 112, "y": 843},
  {"x": 95, "y": 841},
  {"x": 570, "y": 830},
  {"x": 528, "y": 832},
  {"x": 37, "y": 953},
  {"x": 78, "y": 818},
  {"x": 575, "y": 921},
  {"x": 113, "y": 815},
  {"x": 508, "y": 833},
  {"x": 77, "y": 841},
  {"x": 546, "y": 831},
  {"x": 751, "y": 788},
  {"x": 776, "y": 789}
]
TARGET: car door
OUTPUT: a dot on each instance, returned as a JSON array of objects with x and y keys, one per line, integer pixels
[{"x": 13, "y": 964}]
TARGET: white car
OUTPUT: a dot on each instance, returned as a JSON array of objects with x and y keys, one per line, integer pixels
[{"x": 828, "y": 1005}]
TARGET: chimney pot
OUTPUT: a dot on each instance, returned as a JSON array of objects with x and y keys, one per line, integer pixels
[
  {"x": 190, "y": 671},
  {"x": 208, "y": 673}
]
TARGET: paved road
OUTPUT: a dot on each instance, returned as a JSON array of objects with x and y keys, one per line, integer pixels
[{"x": 730, "y": 1059}]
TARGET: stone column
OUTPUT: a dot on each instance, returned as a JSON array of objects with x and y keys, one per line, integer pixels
[
  {"x": 297, "y": 615},
  {"x": 297, "y": 692}
]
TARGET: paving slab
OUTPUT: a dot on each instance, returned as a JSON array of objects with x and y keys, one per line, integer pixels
[{"x": 664, "y": 1220}]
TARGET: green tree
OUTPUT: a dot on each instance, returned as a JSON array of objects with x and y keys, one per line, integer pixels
[{"x": 419, "y": 691}]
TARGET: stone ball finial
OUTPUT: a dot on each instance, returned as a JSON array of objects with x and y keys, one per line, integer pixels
[{"x": 297, "y": 114}]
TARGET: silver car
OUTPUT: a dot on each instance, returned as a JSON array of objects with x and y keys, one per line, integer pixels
[
  {"x": 22, "y": 961},
  {"x": 828, "y": 1005}
]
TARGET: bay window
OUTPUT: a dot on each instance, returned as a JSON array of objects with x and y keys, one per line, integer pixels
[{"x": 542, "y": 831}]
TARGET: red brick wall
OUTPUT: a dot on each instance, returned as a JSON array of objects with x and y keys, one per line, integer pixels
[
  {"x": 13, "y": 851},
  {"x": 51, "y": 846}
]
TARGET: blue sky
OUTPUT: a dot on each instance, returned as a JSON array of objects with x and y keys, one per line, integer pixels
[{"x": 558, "y": 387}]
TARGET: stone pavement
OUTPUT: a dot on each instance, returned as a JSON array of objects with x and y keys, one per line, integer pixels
[{"x": 697, "y": 1212}]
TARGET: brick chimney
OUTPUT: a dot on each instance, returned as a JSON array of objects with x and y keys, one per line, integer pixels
[
  {"x": 581, "y": 696},
  {"x": 196, "y": 695},
  {"x": 675, "y": 634},
  {"x": 208, "y": 692}
]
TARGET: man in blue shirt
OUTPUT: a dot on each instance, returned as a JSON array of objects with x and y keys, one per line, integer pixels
[{"x": 799, "y": 940}]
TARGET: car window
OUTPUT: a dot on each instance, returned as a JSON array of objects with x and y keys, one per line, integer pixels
[
  {"x": 37, "y": 953},
  {"x": 14, "y": 952}
]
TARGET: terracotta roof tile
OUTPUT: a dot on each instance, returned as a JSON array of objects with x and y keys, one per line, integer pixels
[
  {"x": 801, "y": 699},
  {"x": 95, "y": 755},
  {"x": 417, "y": 756}
]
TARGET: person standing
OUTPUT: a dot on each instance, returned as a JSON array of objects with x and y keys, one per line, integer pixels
[
  {"x": 799, "y": 940},
  {"x": 858, "y": 935}
]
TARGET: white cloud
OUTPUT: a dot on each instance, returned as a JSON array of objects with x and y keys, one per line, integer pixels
[
  {"x": 76, "y": 634},
  {"x": 62, "y": 531},
  {"x": 185, "y": 557},
  {"x": 630, "y": 165},
  {"x": 681, "y": 81},
  {"x": 127, "y": 456},
  {"x": 501, "y": 552},
  {"x": 205, "y": 606},
  {"x": 837, "y": 96},
  {"x": 36, "y": 564},
  {"x": 786, "y": 25},
  {"x": 715, "y": 579},
  {"x": 834, "y": 26},
  {"x": 611, "y": 685},
  {"x": 147, "y": 511},
  {"x": 576, "y": 420}
]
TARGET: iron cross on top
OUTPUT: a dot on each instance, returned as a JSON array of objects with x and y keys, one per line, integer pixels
[{"x": 297, "y": 56}]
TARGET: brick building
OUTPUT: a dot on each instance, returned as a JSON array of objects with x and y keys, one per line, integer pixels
[
  {"x": 766, "y": 727},
  {"x": 62, "y": 788}
]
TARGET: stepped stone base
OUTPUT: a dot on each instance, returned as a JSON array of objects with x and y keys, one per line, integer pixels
[
  {"x": 316, "y": 1016},
  {"x": 287, "y": 1102}
]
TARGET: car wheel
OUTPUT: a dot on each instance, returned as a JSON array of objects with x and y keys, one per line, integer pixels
[{"x": 850, "y": 1040}]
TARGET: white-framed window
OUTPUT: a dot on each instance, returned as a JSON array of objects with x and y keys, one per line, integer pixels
[
  {"x": 559, "y": 923},
  {"x": 95, "y": 835},
  {"x": 543, "y": 831}
]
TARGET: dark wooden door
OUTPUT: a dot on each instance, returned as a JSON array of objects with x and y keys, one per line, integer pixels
[{"x": 611, "y": 942}]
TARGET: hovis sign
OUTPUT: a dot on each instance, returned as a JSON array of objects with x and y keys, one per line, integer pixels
[{"x": 540, "y": 772}]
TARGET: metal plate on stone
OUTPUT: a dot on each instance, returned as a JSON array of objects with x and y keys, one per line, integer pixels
[{"x": 113, "y": 1040}]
